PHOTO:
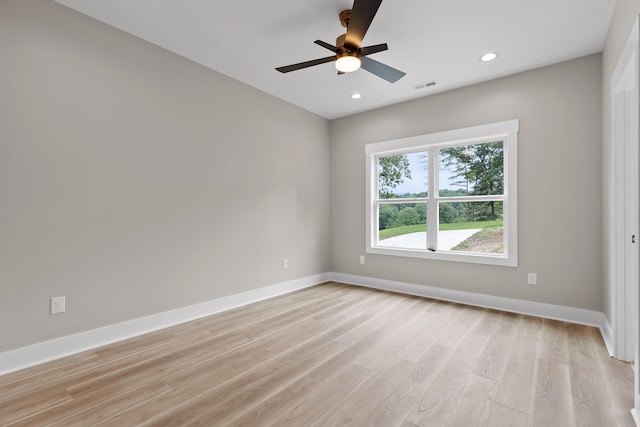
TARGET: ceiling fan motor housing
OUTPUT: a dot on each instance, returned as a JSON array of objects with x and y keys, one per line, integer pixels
[
  {"x": 347, "y": 57},
  {"x": 345, "y": 15},
  {"x": 349, "y": 50}
]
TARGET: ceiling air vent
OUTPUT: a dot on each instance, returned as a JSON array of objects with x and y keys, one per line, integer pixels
[{"x": 424, "y": 85}]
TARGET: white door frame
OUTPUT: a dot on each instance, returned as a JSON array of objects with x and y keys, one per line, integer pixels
[{"x": 625, "y": 263}]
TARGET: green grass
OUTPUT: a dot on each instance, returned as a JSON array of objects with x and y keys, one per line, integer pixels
[
  {"x": 398, "y": 231},
  {"x": 467, "y": 225}
]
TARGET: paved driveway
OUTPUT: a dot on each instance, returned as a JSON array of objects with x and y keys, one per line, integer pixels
[{"x": 446, "y": 239}]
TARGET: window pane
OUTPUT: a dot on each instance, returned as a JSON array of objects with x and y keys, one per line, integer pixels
[
  {"x": 471, "y": 170},
  {"x": 402, "y": 176},
  {"x": 402, "y": 225},
  {"x": 471, "y": 227}
]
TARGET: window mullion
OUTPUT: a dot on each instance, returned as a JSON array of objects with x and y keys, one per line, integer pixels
[{"x": 432, "y": 204}]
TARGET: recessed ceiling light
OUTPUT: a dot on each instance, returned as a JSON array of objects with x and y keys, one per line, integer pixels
[
  {"x": 356, "y": 95},
  {"x": 490, "y": 56}
]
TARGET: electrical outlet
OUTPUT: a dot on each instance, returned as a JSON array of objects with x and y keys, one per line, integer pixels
[
  {"x": 285, "y": 263},
  {"x": 58, "y": 305},
  {"x": 361, "y": 259},
  {"x": 532, "y": 279}
]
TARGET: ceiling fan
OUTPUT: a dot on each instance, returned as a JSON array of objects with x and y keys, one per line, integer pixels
[{"x": 349, "y": 56}]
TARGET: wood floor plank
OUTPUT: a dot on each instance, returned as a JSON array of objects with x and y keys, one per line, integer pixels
[
  {"x": 411, "y": 381},
  {"x": 286, "y": 319},
  {"x": 255, "y": 315},
  {"x": 492, "y": 363},
  {"x": 516, "y": 389},
  {"x": 587, "y": 381},
  {"x": 89, "y": 410},
  {"x": 494, "y": 322},
  {"x": 380, "y": 330},
  {"x": 269, "y": 411},
  {"x": 258, "y": 371},
  {"x": 63, "y": 379},
  {"x": 530, "y": 326},
  {"x": 403, "y": 334},
  {"x": 438, "y": 401},
  {"x": 553, "y": 404},
  {"x": 306, "y": 385},
  {"x": 382, "y": 324},
  {"x": 501, "y": 416},
  {"x": 427, "y": 329},
  {"x": 272, "y": 376},
  {"x": 327, "y": 395},
  {"x": 579, "y": 340},
  {"x": 337, "y": 312},
  {"x": 334, "y": 354},
  {"x": 501, "y": 329},
  {"x": 86, "y": 368},
  {"x": 220, "y": 405},
  {"x": 356, "y": 408},
  {"x": 592, "y": 414},
  {"x": 618, "y": 380},
  {"x": 224, "y": 380},
  {"x": 35, "y": 373},
  {"x": 475, "y": 405},
  {"x": 394, "y": 310},
  {"x": 24, "y": 409},
  {"x": 457, "y": 329},
  {"x": 553, "y": 344}
]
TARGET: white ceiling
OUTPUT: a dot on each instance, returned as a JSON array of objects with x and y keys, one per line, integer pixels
[{"x": 429, "y": 40}]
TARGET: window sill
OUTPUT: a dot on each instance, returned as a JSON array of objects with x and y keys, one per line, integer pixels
[{"x": 474, "y": 258}]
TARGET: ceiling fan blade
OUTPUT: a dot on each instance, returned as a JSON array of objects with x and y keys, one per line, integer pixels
[
  {"x": 326, "y": 45},
  {"x": 361, "y": 16},
  {"x": 369, "y": 50},
  {"x": 381, "y": 70},
  {"x": 301, "y": 65}
]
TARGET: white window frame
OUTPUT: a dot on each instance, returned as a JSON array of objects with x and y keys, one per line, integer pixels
[{"x": 506, "y": 131}]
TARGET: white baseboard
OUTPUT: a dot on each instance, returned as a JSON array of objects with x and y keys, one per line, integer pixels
[
  {"x": 607, "y": 334},
  {"x": 636, "y": 416},
  {"x": 36, "y": 354},
  {"x": 549, "y": 311}
]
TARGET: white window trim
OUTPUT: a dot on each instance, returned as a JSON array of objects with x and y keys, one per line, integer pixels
[{"x": 506, "y": 131}]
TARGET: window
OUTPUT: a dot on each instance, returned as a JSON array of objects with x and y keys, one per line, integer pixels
[{"x": 448, "y": 195}]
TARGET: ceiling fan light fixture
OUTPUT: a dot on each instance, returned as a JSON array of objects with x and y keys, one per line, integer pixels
[{"x": 348, "y": 62}]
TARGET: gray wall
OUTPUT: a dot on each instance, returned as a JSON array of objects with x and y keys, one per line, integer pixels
[
  {"x": 134, "y": 181},
  {"x": 559, "y": 184},
  {"x": 623, "y": 19}
]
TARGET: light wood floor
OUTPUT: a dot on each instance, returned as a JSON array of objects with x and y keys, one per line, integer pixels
[{"x": 335, "y": 355}]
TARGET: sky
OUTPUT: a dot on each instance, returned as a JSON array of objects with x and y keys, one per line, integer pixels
[{"x": 418, "y": 181}]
